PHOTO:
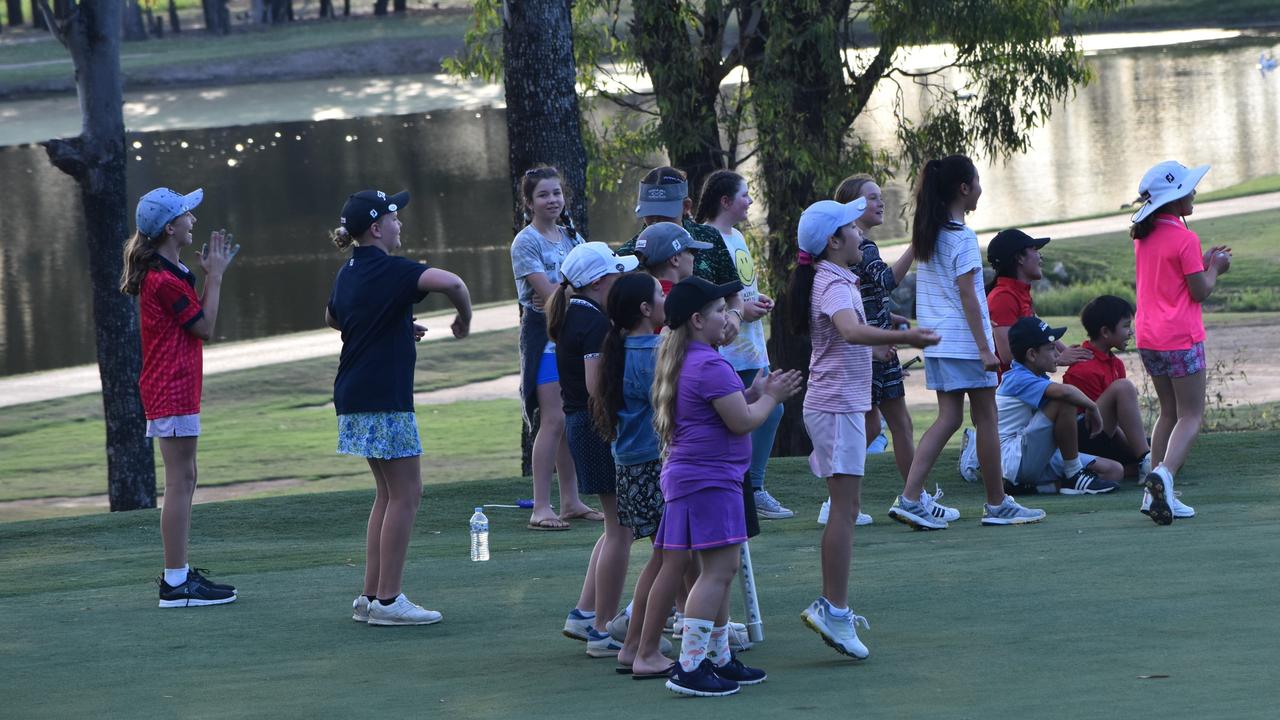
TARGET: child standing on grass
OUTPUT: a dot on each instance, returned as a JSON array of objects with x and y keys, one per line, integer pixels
[
  {"x": 828, "y": 308},
  {"x": 950, "y": 300},
  {"x": 623, "y": 414},
  {"x": 703, "y": 417},
  {"x": 1173, "y": 279},
  {"x": 536, "y": 254},
  {"x": 174, "y": 322},
  {"x": 1109, "y": 321},
  {"x": 372, "y": 305},
  {"x": 578, "y": 326}
]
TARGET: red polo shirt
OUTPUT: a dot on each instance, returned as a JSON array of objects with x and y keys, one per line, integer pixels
[
  {"x": 172, "y": 358},
  {"x": 1095, "y": 375},
  {"x": 1008, "y": 302}
]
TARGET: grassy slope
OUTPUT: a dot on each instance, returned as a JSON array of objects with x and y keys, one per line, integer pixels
[{"x": 1059, "y": 620}]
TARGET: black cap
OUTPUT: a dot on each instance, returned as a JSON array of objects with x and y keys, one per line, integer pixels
[
  {"x": 366, "y": 206},
  {"x": 691, "y": 295},
  {"x": 1032, "y": 332},
  {"x": 1006, "y": 245}
]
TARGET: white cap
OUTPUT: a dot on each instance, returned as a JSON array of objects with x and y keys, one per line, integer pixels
[
  {"x": 591, "y": 261},
  {"x": 823, "y": 219},
  {"x": 1164, "y": 183}
]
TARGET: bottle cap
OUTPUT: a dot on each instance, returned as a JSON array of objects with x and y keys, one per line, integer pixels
[{"x": 480, "y": 509}]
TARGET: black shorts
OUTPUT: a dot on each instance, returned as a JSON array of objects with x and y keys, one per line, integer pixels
[
  {"x": 1107, "y": 446},
  {"x": 886, "y": 381},
  {"x": 592, "y": 456},
  {"x": 749, "y": 506}
]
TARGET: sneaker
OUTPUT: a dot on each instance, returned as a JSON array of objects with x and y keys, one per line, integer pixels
[
  {"x": 1160, "y": 490},
  {"x": 360, "y": 609},
  {"x": 192, "y": 593},
  {"x": 739, "y": 640},
  {"x": 878, "y": 445},
  {"x": 915, "y": 514},
  {"x": 969, "y": 469},
  {"x": 677, "y": 626},
  {"x": 199, "y": 575},
  {"x": 401, "y": 612},
  {"x": 1180, "y": 511},
  {"x": 577, "y": 625},
  {"x": 1010, "y": 512},
  {"x": 601, "y": 645},
  {"x": 617, "y": 628},
  {"x": 936, "y": 509},
  {"x": 824, "y": 512},
  {"x": 702, "y": 681},
  {"x": 1086, "y": 483},
  {"x": 1144, "y": 468},
  {"x": 838, "y": 632},
  {"x": 735, "y": 671},
  {"x": 768, "y": 507}
]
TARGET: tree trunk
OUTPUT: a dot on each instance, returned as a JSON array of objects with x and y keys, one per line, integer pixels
[
  {"x": 543, "y": 119},
  {"x": 173, "y": 17},
  {"x": 399, "y": 6},
  {"x": 326, "y": 8},
  {"x": 15, "y": 12},
  {"x": 346, "y": 8},
  {"x": 135, "y": 28},
  {"x": 380, "y": 7},
  {"x": 96, "y": 159}
]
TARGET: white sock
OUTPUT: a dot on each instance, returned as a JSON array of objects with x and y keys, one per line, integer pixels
[
  {"x": 627, "y": 611},
  {"x": 1071, "y": 467},
  {"x": 838, "y": 612},
  {"x": 173, "y": 577}
]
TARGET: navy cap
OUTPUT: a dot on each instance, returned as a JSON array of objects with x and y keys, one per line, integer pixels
[
  {"x": 1006, "y": 245},
  {"x": 1032, "y": 332},
  {"x": 691, "y": 295},
  {"x": 362, "y": 209}
]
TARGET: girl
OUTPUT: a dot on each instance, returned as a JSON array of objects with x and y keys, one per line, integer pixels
[
  {"x": 578, "y": 326},
  {"x": 372, "y": 305},
  {"x": 623, "y": 414},
  {"x": 950, "y": 300},
  {"x": 1173, "y": 279},
  {"x": 828, "y": 308},
  {"x": 703, "y": 417},
  {"x": 174, "y": 321},
  {"x": 724, "y": 203},
  {"x": 536, "y": 254}
]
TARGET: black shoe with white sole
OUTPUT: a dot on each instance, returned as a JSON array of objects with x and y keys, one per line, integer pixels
[{"x": 193, "y": 593}]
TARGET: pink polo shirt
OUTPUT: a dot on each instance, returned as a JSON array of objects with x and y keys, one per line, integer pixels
[
  {"x": 1168, "y": 318},
  {"x": 839, "y": 372}
]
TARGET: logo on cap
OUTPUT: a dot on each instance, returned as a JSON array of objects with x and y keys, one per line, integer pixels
[
  {"x": 657, "y": 193},
  {"x": 373, "y": 213},
  {"x": 381, "y": 195},
  {"x": 641, "y": 243},
  {"x": 1168, "y": 177},
  {"x": 618, "y": 267}
]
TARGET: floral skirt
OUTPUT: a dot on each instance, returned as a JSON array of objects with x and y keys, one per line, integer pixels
[{"x": 380, "y": 435}]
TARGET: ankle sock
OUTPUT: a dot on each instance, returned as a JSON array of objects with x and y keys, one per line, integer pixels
[
  {"x": 627, "y": 611},
  {"x": 694, "y": 643},
  {"x": 1071, "y": 467},
  {"x": 387, "y": 603},
  {"x": 370, "y": 598},
  {"x": 582, "y": 614},
  {"x": 173, "y": 577},
  {"x": 838, "y": 612}
]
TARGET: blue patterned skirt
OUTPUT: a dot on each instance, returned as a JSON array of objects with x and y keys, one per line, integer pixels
[{"x": 380, "y": 435}]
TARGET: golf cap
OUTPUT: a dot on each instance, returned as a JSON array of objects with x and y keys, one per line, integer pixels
[
  {"x": 662, "y": 199},
  {"x": 591, "y": 261},
  {"x": 160, "y": 206},
  {"x": 691, "y": 295},
  {"x": 1164, "y": 183},
  {"x": 662, "y": 241},
  {"x": 362, "y": 209},
  {"x": 823, "y": 219},
  {"x": 1006, "y": 245},
  {"x": 1032, "y": 332}
]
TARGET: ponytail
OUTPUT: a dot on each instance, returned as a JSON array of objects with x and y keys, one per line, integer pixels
[
  {"x": 140, "y": 256},
  {"x": 340, "y": 238},
  {"x": 799, "y": 296},
  {"x": 937, "y": 187},
  {"x": 719, "y": 185},
  {"x": 666, "y": 379},
  {"x": 623, "y": 307},
  {"x": 557, "y": 306}
]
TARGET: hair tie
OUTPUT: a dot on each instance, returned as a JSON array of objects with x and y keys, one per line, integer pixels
[{"x": 804, "y": 258}]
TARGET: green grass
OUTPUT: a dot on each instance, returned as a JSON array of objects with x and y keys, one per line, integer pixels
[{"x": 1066, "y": 619}]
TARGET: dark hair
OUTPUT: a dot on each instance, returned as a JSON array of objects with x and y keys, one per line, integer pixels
[
  {"x": 799, "y": 295},
  {"x": 938, "y": 186},
  {"x": 850, "y": 188},
  {"x": 623, "y": 308},
  {"x": 1020, "y": 352},
  {"x": 719, "y": 184},
  {"x": 557, "y": 306},
  {"x": 1104, "y": 312},
  {"x": 1143, "y": 227},
  {"x": 529, "y": 182}
]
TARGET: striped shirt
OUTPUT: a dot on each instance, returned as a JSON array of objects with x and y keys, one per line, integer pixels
[
  {"x": 938, "y": 305},
  {"x": 839, "y": 372}
]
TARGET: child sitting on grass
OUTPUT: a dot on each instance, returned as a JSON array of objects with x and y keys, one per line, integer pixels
[{"x": 1039, "y": 445}]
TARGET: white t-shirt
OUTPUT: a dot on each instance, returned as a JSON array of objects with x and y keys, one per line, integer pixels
[
  {"x": 531, "y": 253},
  {"x": 747, "y": 351},
  {"x": 938, "y": 298}
]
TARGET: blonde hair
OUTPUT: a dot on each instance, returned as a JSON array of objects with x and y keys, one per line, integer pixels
[
  {"x": 341, "y": 238},
  {"x": 666, "y": 379},
  {"x": 140, "y": 257}
]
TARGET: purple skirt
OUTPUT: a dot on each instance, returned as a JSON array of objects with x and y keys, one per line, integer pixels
[{"x": 709, "y": 518}]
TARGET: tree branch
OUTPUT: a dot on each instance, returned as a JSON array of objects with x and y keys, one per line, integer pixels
[
  {"x": 68, "y": 156},
  {"x": 60, "y": 29}
]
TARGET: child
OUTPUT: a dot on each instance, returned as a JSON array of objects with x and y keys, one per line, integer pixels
[
  {"x": 578, "y": 326},
  {"x": 623, "y": 414},
  {"x": 1109, "y": 321},
  {"x": 666, "y": 250},
  {"x": 536, "y": 254},
  {"x": 724, "y": 203},
  {"x": 1039, "y": 443},
  {"x": 372, "y": 305},
  {"x": 828, "y": 308},
  {"x": 174, "y": 321},
  {"x": 703, "y": 416},
  {"x": 949, "y": 299},
  {"x": 1173, "y": 279}
]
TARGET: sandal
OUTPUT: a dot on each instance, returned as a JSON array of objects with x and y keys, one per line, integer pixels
[{"x": 550, "y": 524}]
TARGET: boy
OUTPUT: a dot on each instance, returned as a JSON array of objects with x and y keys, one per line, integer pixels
[
  {"x": 1108, "y": 320},
  {"x": 1038, "y": 431},
  {"x": 667, "y": 250}
]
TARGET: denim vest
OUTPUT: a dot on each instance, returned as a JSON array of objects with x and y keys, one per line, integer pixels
[{"x": 637, "y": 441}]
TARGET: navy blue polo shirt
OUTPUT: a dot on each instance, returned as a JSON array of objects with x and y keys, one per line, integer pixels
[
  {"x": 372, "y": 301},
  {"x": 581, "y": 338}
]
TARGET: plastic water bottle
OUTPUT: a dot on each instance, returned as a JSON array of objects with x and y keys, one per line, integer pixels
[{"x": 479, "y": 536}]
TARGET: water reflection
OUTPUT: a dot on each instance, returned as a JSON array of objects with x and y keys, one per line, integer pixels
[{"x": 279, "y": 188}]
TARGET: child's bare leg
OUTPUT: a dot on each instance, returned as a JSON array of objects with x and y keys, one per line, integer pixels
[
  {"x": 1065, "y": 430},
  {"x": 982, "y": 410},
  {"x": 719, "y": 565},
  {"x": 639, "y": 610},
  {"x": 1167, "y": 418},
  {"x": 611, "y": 568},
  {"x": 1189, "y": 394},
  {"x": 179, "y": 455},
  {"x": 837, "y": 537},
  {"x": 872, "y": 424},
  {"x": 669, "y": 580},
  {"x": 373, "y": 533},
  {"x": 571, "y": 505},
  {"x": 546, "y": 444},
  {"x": 950, "y": 414},
  {"x": 1121, "y": 411},
  {"x": 404, "y": 493},
  {"x": 587, "y": 598},
  {"x": 898, "y": 417}
]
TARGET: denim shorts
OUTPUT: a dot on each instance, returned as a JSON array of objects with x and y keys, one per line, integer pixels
[
  {"x": 952, "y": 374},
  {"x": 1174, "y": 363},
  {"x": 379, "y": 435},
  {"x": 174, "y": 426}
]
